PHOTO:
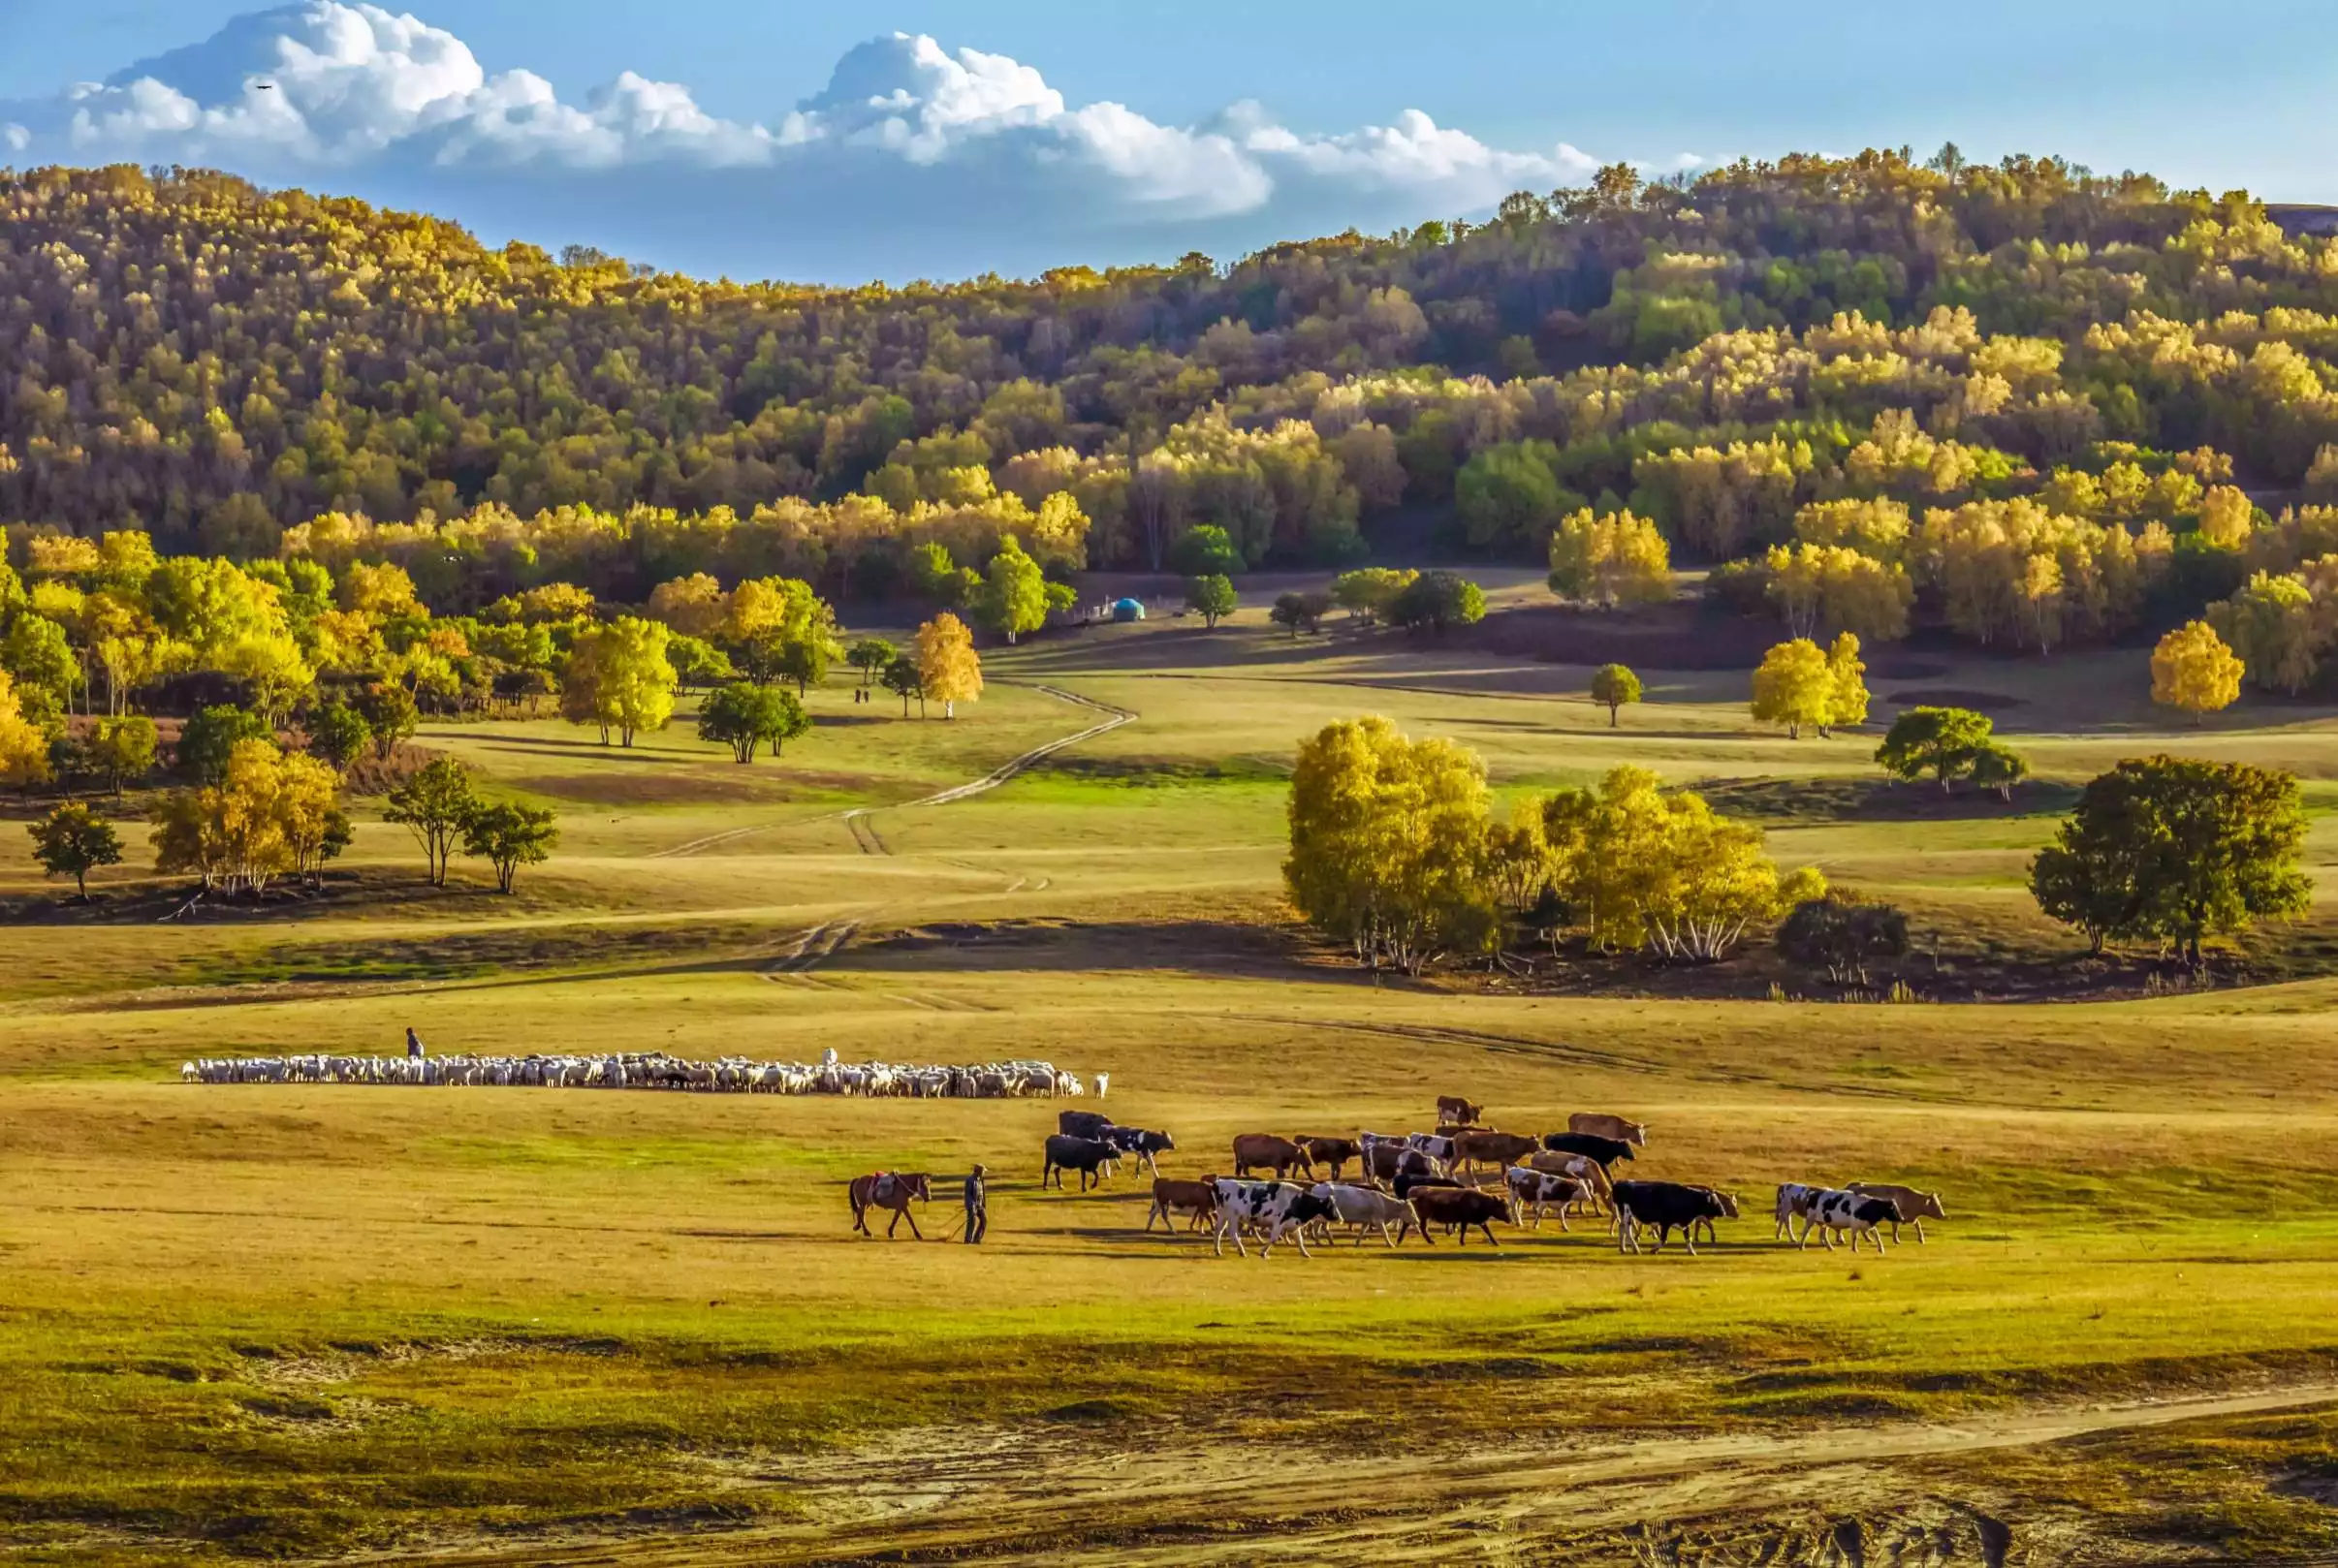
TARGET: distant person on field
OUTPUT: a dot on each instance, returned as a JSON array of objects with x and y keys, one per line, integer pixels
[
  {"x": 414, "y": 1048},
  {"x": 978, "y": 1205}
]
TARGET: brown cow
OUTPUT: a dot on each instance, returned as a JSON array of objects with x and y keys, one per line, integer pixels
[
  {"x": 1462, "y": 1207},
  {"x": 1266, "y": 1151},
  {"x": 1461, "y": 1112},
  {"x": 1170, "y": 1198},
  {"x": 1334, "y": 1153},
  {"x": 1486, "y": 1146},
  {"x": 1601, "y": 1125},
  {"x": 887, "y": 1189}
]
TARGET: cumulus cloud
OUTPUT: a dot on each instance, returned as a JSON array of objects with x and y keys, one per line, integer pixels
[{"x": 914, "y": 157}]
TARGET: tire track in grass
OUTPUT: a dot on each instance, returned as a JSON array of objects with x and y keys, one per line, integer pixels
[{"x": 1114, "y": 718}]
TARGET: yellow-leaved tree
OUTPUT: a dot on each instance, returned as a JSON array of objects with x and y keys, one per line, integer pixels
[
  {"x": 2194, "y": 670},
  {"x": 24, "y": 748},
  {"x": 1388, "y": 844},
  {"x": 1795, "y": 686},
  {"x": 1847, "y": 699},
  {"x": 947, "y": 665},
  {"x": 1643, "y": 868},
  {"x": 619, "y": 678},
  {"x": 1618, "y": 559}
]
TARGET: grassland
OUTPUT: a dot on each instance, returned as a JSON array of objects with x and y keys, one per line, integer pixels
[{"x": 550, "y": 1326}]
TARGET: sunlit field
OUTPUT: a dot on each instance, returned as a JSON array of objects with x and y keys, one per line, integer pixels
[{"x": 539, "y": 1326}]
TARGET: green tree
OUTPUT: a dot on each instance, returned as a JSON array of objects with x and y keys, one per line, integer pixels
[
  {"x": 390, "y": 708},
  {"x": 339, "y": 733},
  {"x": 1301, "y": 612},
  {"x": 208, "y": 741},
  {"x": 73, "y": 841},
  {"x": 869, "y": 655},
  {"x": 1436, "y": 601},
  {"x": 1612, "y": 685},
  {"x": 1368, "y": 592},
  {"x": 435, "y": 805},
  {"x": 1942, "y": 741},
  {"x": 905, "y": 680},
  {"x": 123, "y": 749},
  {"x": 804, "y": 661},
  {"x": 1014, "y": 598},
  {"x": 699, "y": 663},
  {"x": 509, "y": 835},
  {"x": 620, "y": 680},
  {"x": 2177, "y": 850},
  {"x": 1997, "y": 768},
  {"x": 1509, "y": 494},
  {"x": 1212, "y": 598},
  {"x": 1205, "y": 551},
  {"x": 745, "y": 715},
  {"x": 38, "y": 654}
]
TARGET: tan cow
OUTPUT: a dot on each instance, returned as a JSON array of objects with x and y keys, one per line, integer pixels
[
  {"x": 1914, "y": 1206},
  {"x": 1601, "y": 1125},
  {"x": 1266, "y": 1151}
]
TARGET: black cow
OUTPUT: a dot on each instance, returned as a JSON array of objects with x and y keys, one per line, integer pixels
[
  {"x": 1083, "y": 1123},
  {"x": 1462, "y": 1207},
  {"x": 1143, "y": 1145},
  {"x": 1090, "y": 1156},
  {"x": 1667, "y": 1206},
  {"x": 1606, "y": 1151}
]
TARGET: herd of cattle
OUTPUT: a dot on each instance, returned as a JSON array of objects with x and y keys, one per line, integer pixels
[
  {"x": 986, "y": 1080},
  {"x": 1460, "y": 1178}
]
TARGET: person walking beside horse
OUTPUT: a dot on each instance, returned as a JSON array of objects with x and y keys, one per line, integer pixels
[
  {"x": 978, "y": 1205},
  {"x": 887, "y": 1189}
]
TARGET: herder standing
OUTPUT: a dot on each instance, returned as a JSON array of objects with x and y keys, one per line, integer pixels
[
  {"x": 978, "y": 1205},
  {"x": 414, "y": 1049}
]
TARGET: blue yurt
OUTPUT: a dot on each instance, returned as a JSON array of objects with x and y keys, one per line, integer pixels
[{"x": 1127, "y": 610}]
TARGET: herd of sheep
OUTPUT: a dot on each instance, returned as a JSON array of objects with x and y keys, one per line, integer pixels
[{"x": 986, "y": 1080}]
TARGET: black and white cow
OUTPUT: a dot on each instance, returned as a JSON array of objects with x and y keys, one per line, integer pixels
[
  {"x": 1663, "y": 1207},
  {"x": 1272, "y": 1208},
  {"x": 1850, "y": 1213},
  {"x": 1793, "y": 1203},
  {"x": 1140, "y": 1144}
]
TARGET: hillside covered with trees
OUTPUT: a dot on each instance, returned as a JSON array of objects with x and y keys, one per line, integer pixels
[{"x": 2037, "y": 405}]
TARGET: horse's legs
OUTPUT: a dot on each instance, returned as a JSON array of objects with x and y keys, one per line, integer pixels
[{"x": 912, "y": 1219}]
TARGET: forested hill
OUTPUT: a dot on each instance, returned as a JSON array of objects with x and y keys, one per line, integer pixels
[{"x": 188, "y": 355}]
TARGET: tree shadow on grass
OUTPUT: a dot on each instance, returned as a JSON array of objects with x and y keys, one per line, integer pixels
[{"x": 1866, "y": 799}]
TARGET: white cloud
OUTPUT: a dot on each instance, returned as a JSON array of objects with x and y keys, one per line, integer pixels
[{"x": 908, "y": 145}]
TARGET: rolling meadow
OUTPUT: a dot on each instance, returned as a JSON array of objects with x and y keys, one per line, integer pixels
[{"x": 506, "y": 1324}]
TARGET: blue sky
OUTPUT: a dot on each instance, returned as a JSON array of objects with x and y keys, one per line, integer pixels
[{"x": 726, "y": 149}]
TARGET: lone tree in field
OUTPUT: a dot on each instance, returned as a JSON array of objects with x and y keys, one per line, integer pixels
[
  {"x": 1847, "y": 699},
  {"x": 1794, "y": 686},
  {"x": 1942, "y": 741},
  {"x": 1212, "y": 598},
  {"x": 509, "y": 835},
  {"x": 1438, "y": 600},
  {"x": 437, "y": 805},
  {"x": 619, "y": 678},
  {"x": 73, "y": 841},
  {"x": 869, "y": 655},
  {"x": 745, "y": 715},
  {"x": 2175, "y": 850},
  {"x": 949, "y": 670},
  {"x": 2194, "y": 670},
  {"x": 905, "y": 680},
  {"x": 1612, "y": 685}
]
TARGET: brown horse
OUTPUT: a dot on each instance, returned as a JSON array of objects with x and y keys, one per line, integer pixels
[{"x": 887, "y": 1189}]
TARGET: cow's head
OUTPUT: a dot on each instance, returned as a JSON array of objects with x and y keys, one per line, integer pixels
[{"x": 1928, "y": 1207}]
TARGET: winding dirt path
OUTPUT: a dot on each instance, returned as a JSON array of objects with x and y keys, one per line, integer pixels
[
  {"x": 865, "y": 836},
  {"x": 976, "y": 1493}
]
